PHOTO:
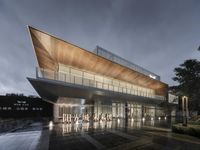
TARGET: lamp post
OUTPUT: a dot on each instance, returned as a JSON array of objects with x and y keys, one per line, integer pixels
[{"x": 185, "y": 109}]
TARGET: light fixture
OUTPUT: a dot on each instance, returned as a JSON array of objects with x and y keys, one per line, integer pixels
[
  {"x": 77, "y": 122},
  {"x": 118, "y": 121},
  {"x": 50, "y": 125},
  {"x": 143, "y": 119}
]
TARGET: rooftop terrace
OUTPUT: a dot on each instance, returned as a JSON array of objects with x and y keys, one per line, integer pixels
[{"x": 117, "y": 59}]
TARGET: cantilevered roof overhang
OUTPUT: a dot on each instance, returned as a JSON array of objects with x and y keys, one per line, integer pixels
[
  {"x": 51, "y": 51},
  {"x": 51, "y": 90}
]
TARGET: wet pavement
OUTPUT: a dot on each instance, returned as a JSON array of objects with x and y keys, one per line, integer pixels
[
  {"x": 115, "y": 134},
  {"x": 23, "y": 139}
]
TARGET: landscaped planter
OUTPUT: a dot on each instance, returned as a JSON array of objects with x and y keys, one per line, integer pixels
[{"x": 193, "y": 130}]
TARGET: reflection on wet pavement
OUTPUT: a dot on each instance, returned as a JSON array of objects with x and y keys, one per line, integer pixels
[
  {"x": 116, "y": 134},
  {"x": 23, "y": 139}
]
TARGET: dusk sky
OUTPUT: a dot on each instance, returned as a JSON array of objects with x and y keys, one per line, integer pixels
[{"x": 155, "y": 34}]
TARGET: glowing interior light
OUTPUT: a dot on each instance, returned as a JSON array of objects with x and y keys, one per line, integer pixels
[
  {"x": 159, "y": 118},
  {"x": 118, "y": 120},
  {"x": 50, "y": 125},
  {"x": 165, "y": 118},
  {"x": 143, "y": 119},
  {"x": 132, "y": 119},
  {"x": 77, "y": 122},
  {"x": 151, "y": 118},
  {"x": 152, "y": 76}
]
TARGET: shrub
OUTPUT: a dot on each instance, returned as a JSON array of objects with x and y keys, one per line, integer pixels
[{"x": 193, "y": 130}]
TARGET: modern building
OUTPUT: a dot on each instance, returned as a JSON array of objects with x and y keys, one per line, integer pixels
[{"x": 97, "y": 85}]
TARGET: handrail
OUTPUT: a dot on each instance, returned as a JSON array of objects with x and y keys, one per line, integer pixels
[{"x": 79, "y": 80}]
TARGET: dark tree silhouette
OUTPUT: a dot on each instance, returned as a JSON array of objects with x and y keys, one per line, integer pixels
[{"x": 188, "y": 77}]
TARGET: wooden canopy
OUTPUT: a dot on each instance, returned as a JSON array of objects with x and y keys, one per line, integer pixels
[{"x": 51, "y": 51}]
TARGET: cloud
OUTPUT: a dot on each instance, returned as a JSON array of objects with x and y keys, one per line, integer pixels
[{"x": 158, "y": 35}]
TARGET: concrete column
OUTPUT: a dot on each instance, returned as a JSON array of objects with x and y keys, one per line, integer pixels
[
  {"x": 56, "y": 113},
  {"x": 142, "y": 109}
]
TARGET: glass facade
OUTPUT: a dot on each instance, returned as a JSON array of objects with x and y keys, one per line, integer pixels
[
  {"x": 105, "y": 111},
  {"x": 81, "y": 77}
]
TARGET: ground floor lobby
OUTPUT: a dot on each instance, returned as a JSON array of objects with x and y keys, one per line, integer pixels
[
  {"x": 73, "y": 110},
  {"x": 115, "y": 134}
]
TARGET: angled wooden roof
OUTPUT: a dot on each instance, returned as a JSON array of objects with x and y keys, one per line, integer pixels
[{"x": 51, "y": 50}]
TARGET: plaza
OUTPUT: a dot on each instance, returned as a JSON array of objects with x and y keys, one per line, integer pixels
[{"x": 104, "y": 135}]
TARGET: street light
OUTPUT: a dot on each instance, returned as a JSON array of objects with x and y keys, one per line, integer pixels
[{"x": 185, "y": 109}]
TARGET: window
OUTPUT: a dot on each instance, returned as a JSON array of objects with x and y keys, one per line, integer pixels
[
  {"x": 76, "y": 72},
  {"x": 108, "y": 81},
  {"x": 88, "y": 76},
  {"x": 116, "y": 82},
  {"x": 63, "y": 68},
  {"x": 98, "y": 78}
]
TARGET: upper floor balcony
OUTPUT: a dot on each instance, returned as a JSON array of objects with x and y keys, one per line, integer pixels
[{"x": 81, "y": 80}]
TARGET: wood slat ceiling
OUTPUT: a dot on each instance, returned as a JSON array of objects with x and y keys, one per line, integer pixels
[{"x": 50, "y": 51}]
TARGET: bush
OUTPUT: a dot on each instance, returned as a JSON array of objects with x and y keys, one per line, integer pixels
[
  {"x": 193, "y": 130},
  {"x": 195, "y": 120}
]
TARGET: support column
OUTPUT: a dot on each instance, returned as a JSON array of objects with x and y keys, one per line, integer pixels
[
  {"x": 185, "y": 109},
  {"x": 142, "y": 109},
  {"x": 92, "y": 111},
  {"x": 126, "y": 115},
  {"x": 56, "y": 113}
]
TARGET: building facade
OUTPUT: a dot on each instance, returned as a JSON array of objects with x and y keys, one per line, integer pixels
[{"x": 97, "y": 85}]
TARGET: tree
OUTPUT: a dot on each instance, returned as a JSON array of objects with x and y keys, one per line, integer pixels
[{"x": 188, "y": 77}]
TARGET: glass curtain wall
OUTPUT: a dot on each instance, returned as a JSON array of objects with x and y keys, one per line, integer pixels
[
  {"x": 118, "y": 110},
  {"x": 134, "y": 111},
  {"x": 102, "y": 110},
  {"x": 77, "y": 76}
]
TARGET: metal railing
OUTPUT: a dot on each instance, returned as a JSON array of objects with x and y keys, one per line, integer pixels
[
  {"x": 110, "y": 56},
  {"x": 80, "y": 80}
]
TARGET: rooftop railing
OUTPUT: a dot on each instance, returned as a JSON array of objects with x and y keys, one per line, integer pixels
[
  {"x": 79, "y": 80},
  {"x": 110, "y": 56}
]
